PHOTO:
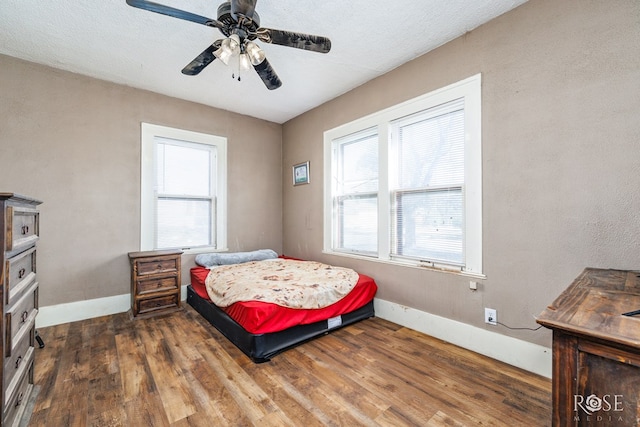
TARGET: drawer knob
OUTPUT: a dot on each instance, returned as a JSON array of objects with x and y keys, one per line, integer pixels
[
  {"x": 25, "y": 316},
  {"x": 20, "y": 397},
  {"x": 18, "y": 360},
  {"x": 25, "y": 229},
  {"x": 21, "y": 273}
]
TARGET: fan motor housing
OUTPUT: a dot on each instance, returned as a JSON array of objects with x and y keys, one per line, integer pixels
[{"x": 250, "y": 26}]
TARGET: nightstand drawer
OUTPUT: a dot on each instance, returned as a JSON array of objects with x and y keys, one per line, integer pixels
[
  {"x": 163, "y": 302},
  {"x": 22, "y": 227},
  {"x": 19, "y": 319},
  {"x": 19, "y": 273},
  {"x": 157, "y": 265},
  {"x": 158, "y": 284}
]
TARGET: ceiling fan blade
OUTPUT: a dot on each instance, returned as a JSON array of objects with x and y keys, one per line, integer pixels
[
  {"x": 268, "y": 75},
  {"x": 243, "y": 8},
  {"x": 202, "y": 60},
  {"x": 175, "y": 13},
  {"x": 297, "y": 40}
]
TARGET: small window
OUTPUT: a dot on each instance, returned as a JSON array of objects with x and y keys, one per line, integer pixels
[{"x": 183, "y": 189}]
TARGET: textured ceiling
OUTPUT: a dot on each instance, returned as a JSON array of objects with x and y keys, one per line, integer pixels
[{"x": 110, "y": 40}]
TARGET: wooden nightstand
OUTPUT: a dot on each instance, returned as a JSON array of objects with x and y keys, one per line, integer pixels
[{"x": 155, "y": 282}]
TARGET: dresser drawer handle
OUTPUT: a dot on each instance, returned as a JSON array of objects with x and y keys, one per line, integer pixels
[
  {"x": 25, "y": 229},
  {"x": 18, "y": 360},
  {"x": 21, "y": 273},
  {"x": 20, "y": 397},
  {"x": 25, "y": 316}
]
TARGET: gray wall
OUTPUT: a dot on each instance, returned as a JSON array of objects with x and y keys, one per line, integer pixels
[
  {"x": 74, "y": 142},
  {"x": 561, "y": 155}
]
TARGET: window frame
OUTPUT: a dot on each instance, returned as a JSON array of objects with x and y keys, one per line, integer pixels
[
  {"x": 148, "y": 190},
  {"x": 469, "y": 90}
]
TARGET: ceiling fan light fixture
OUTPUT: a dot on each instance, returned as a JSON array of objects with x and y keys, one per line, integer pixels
[
  {"x": 256, "y": 55},
  {"x": 245, "y": 62},
  {"x": 224, "y": 53},
  {"x": 234, "y": 44}
]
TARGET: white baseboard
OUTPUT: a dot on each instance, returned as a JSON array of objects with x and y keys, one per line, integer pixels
[
  {"x": 523, "y": 354},
  {"x": 88, "y": 309},
  {"x": 531, "y": 357},
  {"x": 82, "y": 310}
]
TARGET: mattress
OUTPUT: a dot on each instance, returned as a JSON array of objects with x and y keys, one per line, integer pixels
[{"x": 261, "y": 318}]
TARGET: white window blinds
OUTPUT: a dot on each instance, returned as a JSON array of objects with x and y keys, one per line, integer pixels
[
  {"x": 427, "y": 184},
  {"x": 185, "y": 195}
]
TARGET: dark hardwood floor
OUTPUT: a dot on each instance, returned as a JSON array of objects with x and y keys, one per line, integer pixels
[{"x": 177, "y": 370}]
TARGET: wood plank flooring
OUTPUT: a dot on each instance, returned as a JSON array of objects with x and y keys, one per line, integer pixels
[{"x": 177, "y": 370}]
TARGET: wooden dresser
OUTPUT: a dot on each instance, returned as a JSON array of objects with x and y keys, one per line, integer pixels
[
  {"x": 155, "y": 282},
  {"x": 596, "y": 350},
  {"x": 19, "y": 231}
]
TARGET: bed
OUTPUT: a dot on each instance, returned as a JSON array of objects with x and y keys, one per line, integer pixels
[{"x": 260, "y": 328}]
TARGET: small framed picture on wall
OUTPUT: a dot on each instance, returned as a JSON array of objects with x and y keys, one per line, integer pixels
[{"x": 301, "y": 173}]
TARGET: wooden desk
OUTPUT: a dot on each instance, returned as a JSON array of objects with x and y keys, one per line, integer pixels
[{"x": 596, "y": 350}]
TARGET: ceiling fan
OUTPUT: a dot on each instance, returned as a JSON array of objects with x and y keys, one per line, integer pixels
[{"x": 240, "y": 24}]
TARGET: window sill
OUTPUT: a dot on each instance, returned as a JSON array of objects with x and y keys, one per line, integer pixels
[
  {"x": 440, "y": 269},
  {"x": 201, "y": 250}
]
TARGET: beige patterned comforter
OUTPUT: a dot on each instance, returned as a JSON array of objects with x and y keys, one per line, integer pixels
[{"x": 289, "y": 283}]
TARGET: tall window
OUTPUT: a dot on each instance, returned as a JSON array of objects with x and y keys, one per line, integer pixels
[
  {"x": 183, "y": 189},
  {"x": 426, "y": 182},
  {"x": 356, "y": 192},
  {"x": 405, "y": 183}
]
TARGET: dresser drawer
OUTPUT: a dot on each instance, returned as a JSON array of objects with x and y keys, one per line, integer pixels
[
  {"x": 20, "y": 271},
  {"x": 148, "y": 305},
  {"x": 17, "y": 399},
  {"x": 20, "y": 357},
  {"x": 157, "y": 265},
  {"x": 20, "y": 318},
  {"x": 158, "y": 284},
  {"x": 23, "y": 227}
]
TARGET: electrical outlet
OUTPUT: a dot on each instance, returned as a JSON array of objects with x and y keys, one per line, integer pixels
[{"x": 491, "y": 316}]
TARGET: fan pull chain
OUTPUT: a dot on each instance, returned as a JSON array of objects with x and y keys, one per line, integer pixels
[{"x": 233, "y": 73}]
